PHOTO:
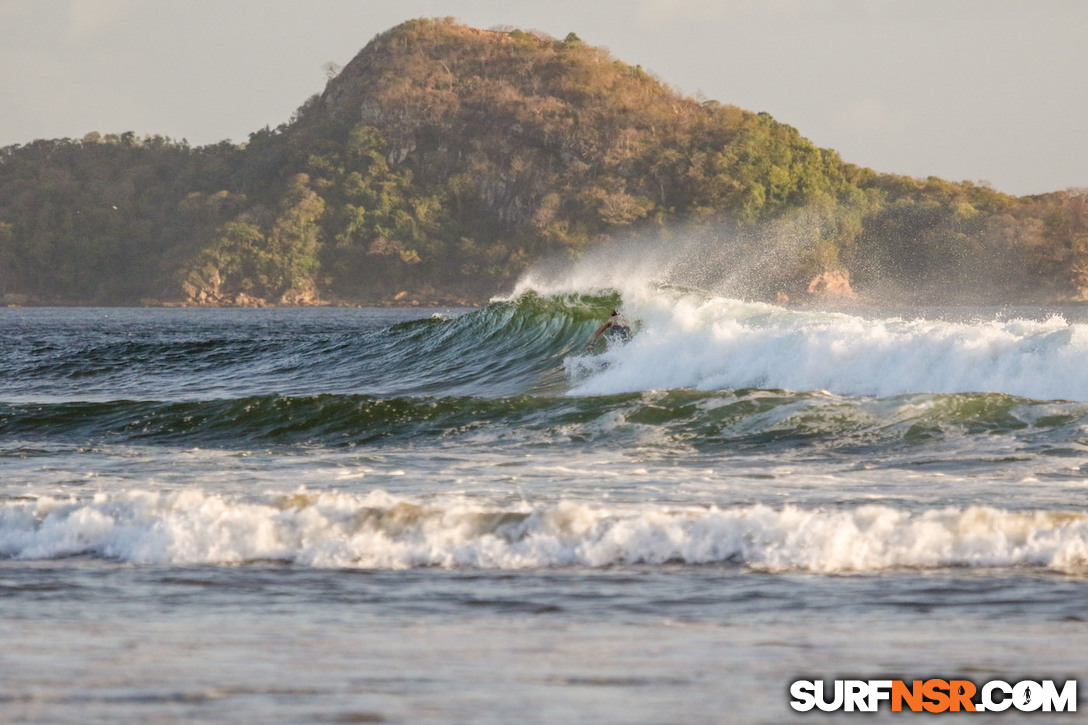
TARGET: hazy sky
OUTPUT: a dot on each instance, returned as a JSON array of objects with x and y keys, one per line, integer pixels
[{"x": 982, "y": 90}]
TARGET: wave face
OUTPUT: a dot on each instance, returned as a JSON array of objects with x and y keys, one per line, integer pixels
[
  {"x": 380, "y": 531},
  {"x": 534, "y": 345},
  {"x": 504, "y": 349}
]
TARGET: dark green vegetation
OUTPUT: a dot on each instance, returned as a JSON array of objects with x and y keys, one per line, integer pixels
[{"x": 443, "y": 160}]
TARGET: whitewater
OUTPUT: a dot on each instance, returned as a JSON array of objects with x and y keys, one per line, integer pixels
[
  {"x": 463, "y": 515},
  {"x": 379, "y": 531}
]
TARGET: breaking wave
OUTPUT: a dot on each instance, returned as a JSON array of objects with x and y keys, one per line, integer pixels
[
  {"x": 535, "y": 345},
  {"x": 381, "y": 531}
]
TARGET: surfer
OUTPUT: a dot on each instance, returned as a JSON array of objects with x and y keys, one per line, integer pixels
[{"x": 618, "y": 328}]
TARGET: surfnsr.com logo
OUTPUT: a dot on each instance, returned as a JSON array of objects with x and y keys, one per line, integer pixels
[{"x": 933, "y": 696}]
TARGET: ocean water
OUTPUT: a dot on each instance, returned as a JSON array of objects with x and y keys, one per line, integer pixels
[{"x": 461, "y": 515}]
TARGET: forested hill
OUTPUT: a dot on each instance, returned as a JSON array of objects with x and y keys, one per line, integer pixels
[{"x": 443, "y": 160}]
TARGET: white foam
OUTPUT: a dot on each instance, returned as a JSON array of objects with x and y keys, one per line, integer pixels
[
  {"x": 382, "y": 531},
  {"x": 710, "y": 343}
]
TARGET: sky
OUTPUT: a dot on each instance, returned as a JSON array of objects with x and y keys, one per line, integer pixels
[{"x": 989, "y": 91}]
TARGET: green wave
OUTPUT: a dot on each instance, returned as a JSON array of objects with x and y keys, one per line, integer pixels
[
  {"x": 675, "y": 420},
  {"x": 506, "y": 348}
]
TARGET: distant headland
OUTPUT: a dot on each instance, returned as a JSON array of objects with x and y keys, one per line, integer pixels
[{"x": 443, "y": 161}]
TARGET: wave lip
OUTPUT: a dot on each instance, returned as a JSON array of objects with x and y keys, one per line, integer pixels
[{"x": 380, "y": 531}]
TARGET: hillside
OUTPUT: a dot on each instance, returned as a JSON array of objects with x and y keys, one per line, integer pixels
[{"x": 443, "y": 160}]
